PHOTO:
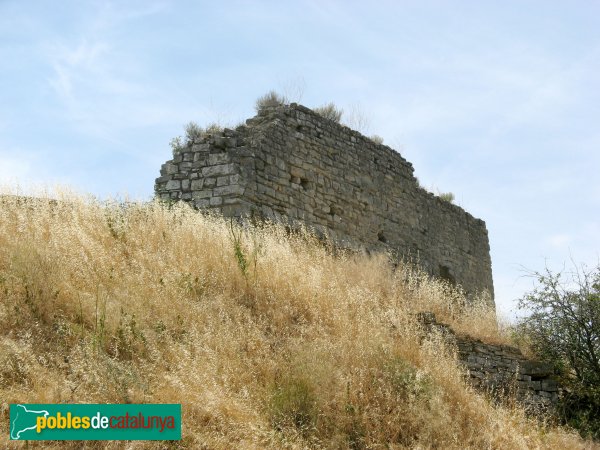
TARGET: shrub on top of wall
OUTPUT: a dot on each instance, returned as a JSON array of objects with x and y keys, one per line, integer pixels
[
  {"x": 193, "y": 131},
  {"x": 447, "y": 196},
  {"x": 330, "y": 111},
  {"x": 377, "y": 139},
  {"x": 270, "y": 99}
]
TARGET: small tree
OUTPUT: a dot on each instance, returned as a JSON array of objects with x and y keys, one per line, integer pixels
[{"x": 563, "y": 328}]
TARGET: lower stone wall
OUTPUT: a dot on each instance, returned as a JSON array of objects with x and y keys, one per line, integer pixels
[{"x": 501, "y": 369}]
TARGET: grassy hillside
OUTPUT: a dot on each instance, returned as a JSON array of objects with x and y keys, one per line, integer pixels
[{"x": 267, "y": 341}]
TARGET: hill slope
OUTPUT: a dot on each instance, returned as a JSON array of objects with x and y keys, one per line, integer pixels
[{"x": 267, "y": 340}]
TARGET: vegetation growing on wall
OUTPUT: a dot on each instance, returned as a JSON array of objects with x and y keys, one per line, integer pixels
[
  {"x": 269, "y": 100},
  {"x": 194, "y": 132},
  {"x": 330, "y": 111},
  {"x": 376, "y": 138},
  {"x": 446, "y": 196}
]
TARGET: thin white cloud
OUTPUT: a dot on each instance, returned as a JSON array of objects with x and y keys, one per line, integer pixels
[
  {"x": 559, "y": 241},
  {"x": 74, "y": 65},
  {"x": 96, "y": 84}
]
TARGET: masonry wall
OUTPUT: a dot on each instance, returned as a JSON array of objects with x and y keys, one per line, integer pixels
[
  {"x": 501, "y": 368},
  {"x": 290, "y": 164}
]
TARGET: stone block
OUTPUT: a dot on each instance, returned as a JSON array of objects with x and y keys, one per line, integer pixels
[
  {"x": 536, "y": 368},
  {"x": 173, "y": 185},
  {"x": 197, "y": 184},
  {"x": 214, "y": 171},
  {"x": 201, "y": 148},
  {"x": 202, "y": 194},
  {"x": 169, "y": 169},
  {"x": 233, "y": 189},
  {"x": 218, "y": 158},
  {"x": 549, "y": 385},
  {"x": 297, "y": 172}
]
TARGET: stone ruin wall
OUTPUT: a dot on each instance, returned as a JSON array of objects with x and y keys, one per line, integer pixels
[
  {"x": 501, "y": 369},
  {"x": 290, "y": 164}
]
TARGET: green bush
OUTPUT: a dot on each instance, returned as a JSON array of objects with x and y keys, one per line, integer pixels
[
  {"x": 406, "y": 380},
  {"x": 563, "y": 328},
  {"x": 294, "y": 404},
  {"x": 176, "y": 145},
  {"x": 193, "y": 131}
]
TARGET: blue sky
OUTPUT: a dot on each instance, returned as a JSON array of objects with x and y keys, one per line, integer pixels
[{"x": 498, "y": 102}]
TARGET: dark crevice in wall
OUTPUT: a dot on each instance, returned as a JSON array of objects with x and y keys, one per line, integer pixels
[{"x": 446, "y": 274}]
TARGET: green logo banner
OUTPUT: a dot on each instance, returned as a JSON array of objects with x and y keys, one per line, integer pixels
[{"x": 38, "y": 422}]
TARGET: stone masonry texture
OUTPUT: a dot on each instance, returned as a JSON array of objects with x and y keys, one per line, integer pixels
[
  {"x": 501, "y": 368},
  {"x": 291, "y": 165}
]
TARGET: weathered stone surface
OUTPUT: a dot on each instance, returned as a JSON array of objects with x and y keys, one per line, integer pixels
[
  {"x": 500, "y": 368},
  {"x": 222, "y": 169},
  {"x": 172, "y": 185},
  {"x": 292, "y": 165}
]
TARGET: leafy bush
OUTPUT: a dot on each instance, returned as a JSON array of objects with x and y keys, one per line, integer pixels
[
  {"x": 176, "y": 145},
  {"x": 330, "y": 111},
  {"x": 563, "y": 328},
  {"x": 294, "y": 404},
  {"x": 193, "y": 131},
  {"x": 270, "y": 99}
]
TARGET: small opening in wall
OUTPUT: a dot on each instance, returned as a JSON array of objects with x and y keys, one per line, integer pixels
[
  {"x": 381, "y": 237},
  {"x": 304, "y": 183},
  {"x": 445, "y": 274}
]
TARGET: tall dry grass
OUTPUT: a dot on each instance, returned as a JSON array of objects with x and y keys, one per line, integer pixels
[{"x": 301, "y": 349}]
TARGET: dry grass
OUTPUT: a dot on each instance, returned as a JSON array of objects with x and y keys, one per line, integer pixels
[
  {"x": 101, "y": 303},
  {"x": 330, "y": 111}
]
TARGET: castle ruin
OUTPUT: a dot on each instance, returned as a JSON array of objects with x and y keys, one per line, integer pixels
[{"x": 290, "y": 164}]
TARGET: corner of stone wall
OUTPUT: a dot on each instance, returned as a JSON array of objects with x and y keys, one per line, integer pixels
[{"x": 210, "y": 173}]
